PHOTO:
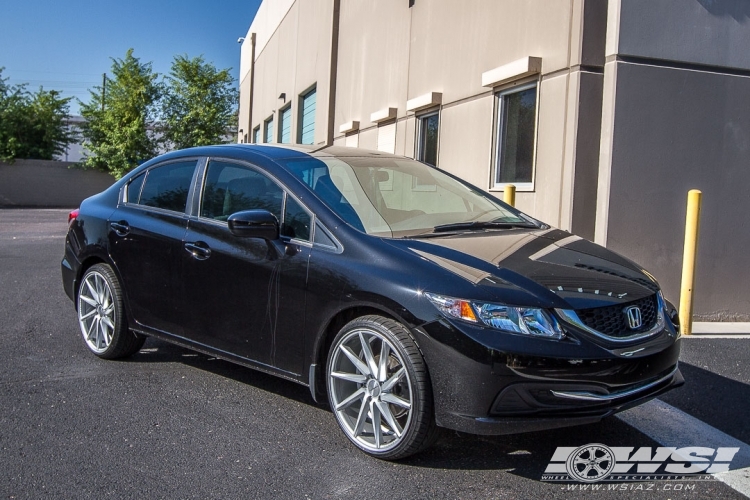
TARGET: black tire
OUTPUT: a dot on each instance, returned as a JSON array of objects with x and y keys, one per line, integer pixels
[
  {"x": 101, "y": 315},
  {"x": 345, "y": 380}
]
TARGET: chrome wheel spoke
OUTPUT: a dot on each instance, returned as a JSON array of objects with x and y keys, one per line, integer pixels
[
  {"x": 351, "y": 377},
  {"x": 97, "y": 334},
  {"x": 94, "y": 293},
  {"x": 88, "y": 314},
  {"x": 388, "y": 416},
  {"x": 383, "y": 362},
  {"x": 89, "y": 300},
  {"x": 393, "y": 399},
  {"x": 358, "y": 364},
  {"x": 108, "y": 322},
  {"x": 367, "y": 353},
  {"x": 361, "y": 418},
  {"x": 376, "y": 430},
  {"x": 348, "y": 401},
  {"x": 103, "y": 330},
  {"x": 91, "y": 329},
  {"x": 391, "y": 382}
]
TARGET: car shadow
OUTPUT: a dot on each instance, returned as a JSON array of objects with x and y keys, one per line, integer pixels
[
  {"x": 525, "y": 455},
  {"x": 719, "y": 401},
  {"x": 160, "y": 351}
]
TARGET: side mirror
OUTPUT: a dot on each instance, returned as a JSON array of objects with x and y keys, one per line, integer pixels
[{"x": 254, "y": 224}]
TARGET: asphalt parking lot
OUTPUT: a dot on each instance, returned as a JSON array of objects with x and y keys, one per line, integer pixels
[{"x": 171, "y": 423}]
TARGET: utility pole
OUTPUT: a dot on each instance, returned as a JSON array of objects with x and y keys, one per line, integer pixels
[{"x": 104, "y": 88}]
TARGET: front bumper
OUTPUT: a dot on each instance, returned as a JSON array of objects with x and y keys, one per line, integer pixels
[{"x": 487, "y": 382}]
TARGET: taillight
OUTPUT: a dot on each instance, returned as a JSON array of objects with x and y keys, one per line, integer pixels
[{"x": 73, "y": 215}]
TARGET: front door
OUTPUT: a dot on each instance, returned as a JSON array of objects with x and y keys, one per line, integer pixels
[{"x": 246, "y": 296}]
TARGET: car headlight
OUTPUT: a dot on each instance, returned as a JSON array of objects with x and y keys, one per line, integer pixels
[{"x": 524, "y": 320}]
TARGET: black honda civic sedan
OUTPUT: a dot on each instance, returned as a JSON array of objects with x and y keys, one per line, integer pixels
[{"x": 407, "y": 297}]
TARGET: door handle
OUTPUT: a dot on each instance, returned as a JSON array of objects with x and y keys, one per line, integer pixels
[
  {"x": 198, "y": 249},
  {"x": 120, "y": 228}
]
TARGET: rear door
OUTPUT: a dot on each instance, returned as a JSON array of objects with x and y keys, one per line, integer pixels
[
  {"x": 145, "y": 243},
  {"x": 246, "y": 296}
]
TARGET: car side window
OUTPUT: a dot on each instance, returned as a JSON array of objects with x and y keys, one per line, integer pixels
[
  {"x": 296, "y": 220},
  {"x": 134, "y": 188},
  {"x": 167, "y": 186},
  {"x": 322, "y": 238},
  {"x": 231, "y": 188}
]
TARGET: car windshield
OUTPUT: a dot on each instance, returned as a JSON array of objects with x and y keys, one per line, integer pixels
[{"x": 399, "y": 197}]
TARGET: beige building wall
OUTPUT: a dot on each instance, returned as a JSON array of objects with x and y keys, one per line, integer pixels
[
  {"x": 390, "y": 53},
  {"x": 638, "y": 101},
  {"x": 295, "y": 58}
]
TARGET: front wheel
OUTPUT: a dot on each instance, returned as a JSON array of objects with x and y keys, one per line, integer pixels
[
  {"x": 379, "y": 388},
  {"x": 101, "y": 316}
]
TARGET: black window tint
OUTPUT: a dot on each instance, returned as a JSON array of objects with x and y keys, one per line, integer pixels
[
  {"x": 134, "y": 188},
  {"x": 516, "y": 142},
  {"x": 231, "y": 188},
  {"x": 428, "y": 139},
  {"x": 296, "y": 221},
  {"x": 167, "y": 186},
  {"x": 322, "y": 238}
]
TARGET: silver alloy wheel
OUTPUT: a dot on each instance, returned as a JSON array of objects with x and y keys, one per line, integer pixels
[
  {"x": 371, "y": 390},
  {"x": 96, "y": 312}
]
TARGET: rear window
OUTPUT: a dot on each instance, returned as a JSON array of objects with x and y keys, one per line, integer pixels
[{"x": 167, "y": 186}]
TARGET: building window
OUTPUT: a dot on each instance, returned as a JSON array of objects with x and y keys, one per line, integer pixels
[
  {"x": 427, "y": 144},
  {"x": 307, "y": 118},
  {"x": 516, "y": 131},
  {"x": 387, "y": 137},
  {"x": 268, "y": 130},
  {"x": 285, "y": 125},
  {"x": 256, "y": 135}
]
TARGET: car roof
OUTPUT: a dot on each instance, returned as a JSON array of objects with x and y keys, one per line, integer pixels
[{"x": 284, "y": 151}]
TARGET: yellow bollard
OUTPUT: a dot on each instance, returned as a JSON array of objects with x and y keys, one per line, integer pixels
[
  {"x": 509, "y": 195},
  {"x": 692, "y": 226}
]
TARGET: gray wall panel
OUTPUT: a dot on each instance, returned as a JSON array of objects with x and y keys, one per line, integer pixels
[
  {"x": 41, "y": 183},
  {"x": 713, "y": 32},
  {"x": 675, "y": 130}
]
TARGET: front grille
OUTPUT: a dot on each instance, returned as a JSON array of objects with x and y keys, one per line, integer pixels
[{"x": 612, "y": 321}]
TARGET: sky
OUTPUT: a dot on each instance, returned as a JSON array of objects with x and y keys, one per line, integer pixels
[{"x": 66, "y": 45}]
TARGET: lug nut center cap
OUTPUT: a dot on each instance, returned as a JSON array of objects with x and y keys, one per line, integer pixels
[{"x": 373, "y": 387}]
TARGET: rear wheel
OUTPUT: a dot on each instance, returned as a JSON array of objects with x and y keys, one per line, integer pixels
[
  {"x": 379, "y": 389},
  {"x": 101, "y": 316}
]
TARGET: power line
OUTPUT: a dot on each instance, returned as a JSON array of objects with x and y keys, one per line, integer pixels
[{"x": 52, "y": 72}]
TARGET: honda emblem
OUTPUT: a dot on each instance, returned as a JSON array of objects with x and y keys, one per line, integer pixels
[{"x": 635, "y": 320}]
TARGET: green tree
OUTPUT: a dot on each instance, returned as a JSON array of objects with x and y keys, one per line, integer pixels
[
  {"x": 199, "y": 104},
  {"x": 119, "y": 131},
  {"x": 32, "y": 125}
]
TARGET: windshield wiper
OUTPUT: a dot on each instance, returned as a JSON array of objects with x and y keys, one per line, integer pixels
[{"x": 470, "y": 226}]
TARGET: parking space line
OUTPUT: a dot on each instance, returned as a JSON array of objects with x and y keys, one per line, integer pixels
[
  {"x": 702, "y": 336},
  {"x": 670, "y": 426},
  {"x": 721, "y": 327}
]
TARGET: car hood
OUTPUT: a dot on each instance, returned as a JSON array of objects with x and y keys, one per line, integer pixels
[{"x": 557, "y": 267}]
